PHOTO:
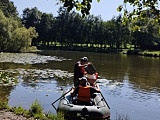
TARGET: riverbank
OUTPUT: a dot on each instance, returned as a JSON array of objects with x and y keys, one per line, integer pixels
[
  {"x": 149, "y": 53},
  {"x": 142, "y": 53},
  {"x": 35, "y": 112},
  {"x": 6, "y": 115}
]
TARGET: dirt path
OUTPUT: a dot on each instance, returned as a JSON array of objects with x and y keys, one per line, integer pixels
[{"x": 5, "y": 115}]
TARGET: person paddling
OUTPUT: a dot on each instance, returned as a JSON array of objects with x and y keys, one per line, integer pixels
[
  {"x": 79, "y": 70},
  {"x": 84, "y": 92}
]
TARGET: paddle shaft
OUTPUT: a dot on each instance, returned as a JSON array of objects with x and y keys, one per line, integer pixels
[
  {"x": 62, "y": 96},
  {"x": 105, "y": 100}
]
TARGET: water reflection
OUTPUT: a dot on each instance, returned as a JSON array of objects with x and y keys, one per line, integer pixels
[{"x": 4, "y": 92}]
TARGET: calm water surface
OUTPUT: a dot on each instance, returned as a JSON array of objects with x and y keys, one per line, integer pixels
[{"x": 130, "y": 84}]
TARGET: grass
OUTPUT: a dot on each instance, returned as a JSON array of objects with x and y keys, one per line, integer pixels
[
  {"x": 35, "y": 111},
  {"x": 142, "y": 53},
  {"x": 151, "y": 53}
]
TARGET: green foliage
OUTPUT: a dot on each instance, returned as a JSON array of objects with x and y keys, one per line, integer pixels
[
  {"x": 36, "y": 110},
  {"x": 18, "y": 110},
  {"x": 72, "y": 30},
  {"x": 141, "y": 8},
  {"x": 3, "y": 105},
  {"x": 31, "y": 17},
  {"x": 8, "y": 8},
  {"x": 151, "y": 53},
  {"x": 12, "y": 37},
  {"x": 83, "y": 6},
  {"x": 22, "y": 38},
  {"x": 59, "y": 116}
]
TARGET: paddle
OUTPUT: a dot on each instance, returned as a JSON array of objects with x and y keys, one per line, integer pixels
[
  {"x": 60, "y": 98},
  {"x": 104, "y": 100}
]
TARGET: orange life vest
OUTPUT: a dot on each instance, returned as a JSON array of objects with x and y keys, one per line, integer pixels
[{"x": 84, "y": 93}]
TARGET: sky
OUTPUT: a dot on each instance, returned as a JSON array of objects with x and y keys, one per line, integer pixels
[{"x": 107, "y": 9}]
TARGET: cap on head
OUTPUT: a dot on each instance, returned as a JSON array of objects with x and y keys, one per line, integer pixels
[{"x": 84, "y": 59}]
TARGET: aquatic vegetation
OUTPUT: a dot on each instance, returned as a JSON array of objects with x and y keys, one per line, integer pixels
[{"x": 7, "y": 79}]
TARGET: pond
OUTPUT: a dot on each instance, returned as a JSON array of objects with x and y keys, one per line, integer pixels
[{"x": 130, "y": 84}]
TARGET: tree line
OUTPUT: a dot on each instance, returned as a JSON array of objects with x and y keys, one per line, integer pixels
[{"x": 71, "y": 30}]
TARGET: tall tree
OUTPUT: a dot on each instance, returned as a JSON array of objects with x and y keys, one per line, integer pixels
[
  {"x": 31, "y": 17},
  {"x": 8, "y": 8},
  {"x": 44, "y": 28},
  {"x": 13, "y": 36}
]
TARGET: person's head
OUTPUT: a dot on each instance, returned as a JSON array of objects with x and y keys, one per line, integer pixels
[
  {"x": 83, "y": 81},
  {"x": 84, "y": 60}
]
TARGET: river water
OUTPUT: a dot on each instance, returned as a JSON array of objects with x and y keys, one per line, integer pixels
[{"x": 130, "y": 84}]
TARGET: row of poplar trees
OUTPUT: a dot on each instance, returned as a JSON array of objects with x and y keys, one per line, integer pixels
[{"x": 70, "y": 29}]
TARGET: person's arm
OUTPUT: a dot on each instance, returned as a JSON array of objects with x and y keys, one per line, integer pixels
[
  {"x": 80, "y": 65},
  {"x": 94, "y": 90},
  {"x": 75, "y": 91},
  {"x": 73, "y": 88},
  {"x": 97, "y": 87}
]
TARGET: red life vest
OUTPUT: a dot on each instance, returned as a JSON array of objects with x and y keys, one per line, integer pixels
[
  {"x": 82, "y": 70},
  {"x": 84, "y": 93}
]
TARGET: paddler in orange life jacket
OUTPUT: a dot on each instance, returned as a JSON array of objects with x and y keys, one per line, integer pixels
[
  {"x": 84, "y": 92},
  {"x": 79, "y": 70}
]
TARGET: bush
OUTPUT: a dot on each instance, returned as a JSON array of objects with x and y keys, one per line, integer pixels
[
  {"x": 3, "y": 105},
  {"x": 36, "y": 110}
]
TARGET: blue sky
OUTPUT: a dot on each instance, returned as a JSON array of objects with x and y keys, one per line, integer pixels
[{"x": 105, "y": 8}]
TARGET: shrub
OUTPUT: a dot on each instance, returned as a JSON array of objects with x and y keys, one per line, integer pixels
[{"x": 36, "y": 110}]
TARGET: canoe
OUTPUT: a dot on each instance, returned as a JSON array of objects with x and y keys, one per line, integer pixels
[{"x": 100, "y": 110}]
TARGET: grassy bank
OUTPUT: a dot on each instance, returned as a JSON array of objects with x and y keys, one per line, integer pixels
[
  {"x": 142, "y": 53},
  {"x": 103, "y": 50},
  {"x": 35, "y": 111}
]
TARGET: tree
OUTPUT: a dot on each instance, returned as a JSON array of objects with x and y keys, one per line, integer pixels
[
  {"x": 44, "y": 28},
  {"x": 141, "y": 8},
  {"x": 145, "y": 33},
  {"x": 81, "y": 5},
  {"x": 8, "y": 8},
  {"x": 22, "y": 38},
  {"x": 31, "y": 17},
  {"x": 14, "y": 37}
]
